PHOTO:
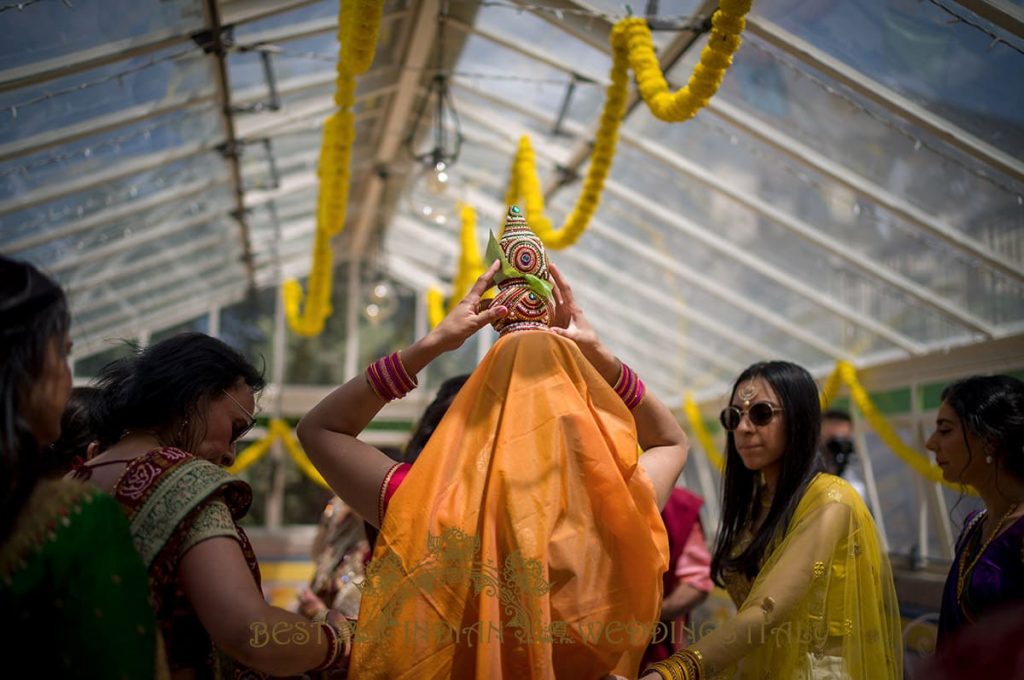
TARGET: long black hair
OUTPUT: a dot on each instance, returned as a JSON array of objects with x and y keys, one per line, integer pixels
[
  {"x": 801, "y": 413},
  {"x": 77, "y": 431},
  {"x": 33, "y": 315},
  {"x": 165, "y": 389},
  {"x": 992, "y": 409}
]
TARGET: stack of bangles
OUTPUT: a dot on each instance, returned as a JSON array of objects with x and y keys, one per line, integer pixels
[
  {"x": 630, "y": 387},
  {"x": 389, "y": 379},
  {"x": 339, "y": 642},
  {"x": 686, "y": 664}
]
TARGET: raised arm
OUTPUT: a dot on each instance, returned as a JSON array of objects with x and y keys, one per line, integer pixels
[
  {"x": 663, "y": 441},
  {"x": 355, "y": 470}
]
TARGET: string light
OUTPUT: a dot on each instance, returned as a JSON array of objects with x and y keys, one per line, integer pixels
[
  {"x": 22, "y": 5},
  {"x": 960, "y": 19},
  {"x": 13, "y": 108}
]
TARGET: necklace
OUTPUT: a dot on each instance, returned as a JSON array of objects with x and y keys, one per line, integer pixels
[{"x": 962, "y": 572}]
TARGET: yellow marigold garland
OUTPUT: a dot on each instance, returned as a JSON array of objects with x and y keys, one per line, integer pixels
[
  {"x": 358, "y": 30},
  {"x": 727, "y": 24},
  {"x": 845, "y": 373},
  {"x": 707, "y": 442},
  {"x": 278, "y": 429},
  {"x": 471, "y": 266},
  {"x": 632, "y": 47}
]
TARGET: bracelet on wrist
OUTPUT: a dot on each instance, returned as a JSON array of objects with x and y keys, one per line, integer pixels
[{"x": 388, "y": 378}]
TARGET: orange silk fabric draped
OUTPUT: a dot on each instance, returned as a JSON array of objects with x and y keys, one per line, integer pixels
[{"x": 526, "y": 540}]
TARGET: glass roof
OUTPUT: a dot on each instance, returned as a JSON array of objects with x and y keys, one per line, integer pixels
[{"x": 853, "y": 191}]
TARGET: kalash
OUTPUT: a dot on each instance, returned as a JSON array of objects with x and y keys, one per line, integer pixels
[{"x": 524, "y": 282}]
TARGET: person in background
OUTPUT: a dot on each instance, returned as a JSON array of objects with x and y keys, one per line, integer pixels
[
  {"x": 77, "y": 441},
  {"x": 74, "y": 600},
  {"x": 979, "y": 440},
  {"x": 837, "y": 448},
  {"x": 688, "y": 579}
]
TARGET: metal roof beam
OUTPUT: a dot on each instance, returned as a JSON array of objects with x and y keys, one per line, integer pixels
[
  {"x": 420, "y": 35},
  {"x": 219, "y": 66},
  {"x": 999, "y": 12}
]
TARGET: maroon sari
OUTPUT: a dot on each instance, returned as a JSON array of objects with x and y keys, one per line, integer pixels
[{"x": 164, "y": 494}]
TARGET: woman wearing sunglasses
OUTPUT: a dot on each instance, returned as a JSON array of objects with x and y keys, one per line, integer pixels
[
  {"x": 797, "y": 551},
  {"x": 170, "y": 417}
]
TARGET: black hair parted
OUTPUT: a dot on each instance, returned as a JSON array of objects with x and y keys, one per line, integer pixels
[
  {"x": 33, "y": 315},
  {"x": 991, "y": 407},
  {"x": 800, "y": 462},
  {"x": 165, "y": 387}
]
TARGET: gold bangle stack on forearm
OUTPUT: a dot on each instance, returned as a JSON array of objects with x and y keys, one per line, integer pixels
[{"x": 686, "y": 664}]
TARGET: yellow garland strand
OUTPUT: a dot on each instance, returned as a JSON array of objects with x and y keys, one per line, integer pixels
[
  {"x": 632, "y": 47},
  {"x": 727, "y": 24},
  {"x": 278, "y": 430},
  {"x": 847, "y": 374},
  {"x": 471, "y": 266},
  {"x": 358, "y": 30},
  {"x": 707, "y": 442}
]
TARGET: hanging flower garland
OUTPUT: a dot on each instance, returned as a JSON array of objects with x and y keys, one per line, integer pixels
[
  {"x": 358, "y": 30},
  {"x": 707, "y": 442},
  {"x": 632, "y": 47},
  {"x": 727, "y": 24},
  {"x": 278, "y": 430},
  {"x": 471, "y": 266},
  {"x": 846, "y": 373}
]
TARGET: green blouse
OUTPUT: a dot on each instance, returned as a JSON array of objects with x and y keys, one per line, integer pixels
[{"x": 73, "y": 591}]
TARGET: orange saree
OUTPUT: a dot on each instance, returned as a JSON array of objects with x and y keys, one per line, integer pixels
[{"x": 526, "y": 541}]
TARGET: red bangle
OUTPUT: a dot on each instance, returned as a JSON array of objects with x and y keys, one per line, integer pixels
[
  {"x": 389, "y": 379},
  {"x": 630, "y": 387}
]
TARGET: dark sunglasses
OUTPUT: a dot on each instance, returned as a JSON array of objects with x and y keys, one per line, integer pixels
[
  {"x": 760, "y": 414},
  {"x": 238, "y": 432}
]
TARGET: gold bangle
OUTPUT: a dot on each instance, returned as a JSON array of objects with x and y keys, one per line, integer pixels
[
  {"x": 666, "y": 670},
  {"x": 692, "y": 663}
]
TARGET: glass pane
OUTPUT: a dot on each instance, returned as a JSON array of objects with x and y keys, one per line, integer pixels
[
  {"x": 53, "y": 252},
  {"x": 208, "y": 167},
  {"x": 146, "y": 79},
  {"x": 45, "y": 30},
  {"x": 914, "y": 48},
  {"x": 79, "y": 158}
]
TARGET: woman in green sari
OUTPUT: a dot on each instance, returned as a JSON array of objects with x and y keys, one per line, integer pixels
[{"x": 73, "y": 591}]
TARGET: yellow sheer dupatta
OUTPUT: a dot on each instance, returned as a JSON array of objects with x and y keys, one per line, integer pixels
[
  {"x": 823, "y": 606},
  {"x": 526, "y": 540}
]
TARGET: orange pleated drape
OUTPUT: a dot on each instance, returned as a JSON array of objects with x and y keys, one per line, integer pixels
[{"x": 526, "y": 541}]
